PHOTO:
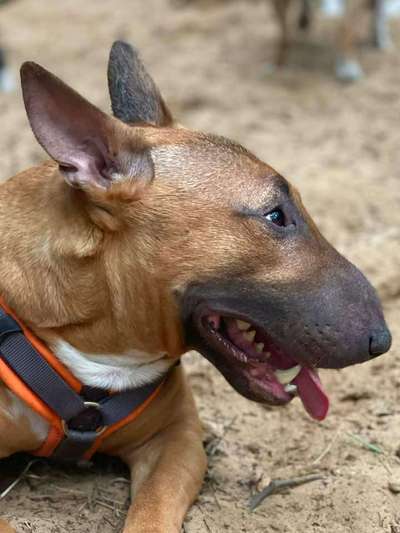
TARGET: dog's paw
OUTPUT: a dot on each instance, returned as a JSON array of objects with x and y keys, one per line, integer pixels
[
  {"x": 7, "y": 85},
  {"x": 333, "y": 8},
  {"x": 348, "y": 70}
]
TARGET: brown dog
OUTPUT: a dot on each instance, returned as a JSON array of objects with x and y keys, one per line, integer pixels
[
  {"x": 347, "y": 67},
  {"x": 140, "y": 241}
]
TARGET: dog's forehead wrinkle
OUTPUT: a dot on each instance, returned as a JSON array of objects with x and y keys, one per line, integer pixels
[
  {"x": 201, "y": 165},
  {"x": 192, "y": 146},
  {"x": 198, "y": 185}
]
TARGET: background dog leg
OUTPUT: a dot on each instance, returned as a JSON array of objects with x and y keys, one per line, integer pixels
[
  {"x": 380, "y": 26},
  {"x": 282, "y": 11},
  {"x": 167, "y": 473},
  {"x": 348, "y": 68},
  {"x": 305, "y": 15}
]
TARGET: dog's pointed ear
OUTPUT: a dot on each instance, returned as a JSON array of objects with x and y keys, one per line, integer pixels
[
  {"x": 75, "y": 133},
  {"x": 134, "y": 95}
]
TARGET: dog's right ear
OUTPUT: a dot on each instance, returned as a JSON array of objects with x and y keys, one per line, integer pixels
[
  {"x": 80, "y": 137},
  {"x": 134, "y": 95}
]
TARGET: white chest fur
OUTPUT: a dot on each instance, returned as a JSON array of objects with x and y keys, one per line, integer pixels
[{"x": 114, "y": 372}]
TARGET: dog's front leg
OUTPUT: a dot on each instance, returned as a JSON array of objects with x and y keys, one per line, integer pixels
[{"x": 167, "y": 473}]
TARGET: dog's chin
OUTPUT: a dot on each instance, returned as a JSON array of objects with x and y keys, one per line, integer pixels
[{"x": 253, "y": 363}]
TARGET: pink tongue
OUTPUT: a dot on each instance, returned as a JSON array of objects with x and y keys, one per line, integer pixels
[{"x": 313, "y": 396}]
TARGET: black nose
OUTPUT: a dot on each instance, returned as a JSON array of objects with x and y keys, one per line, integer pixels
[{"x": 380, "y": 343}]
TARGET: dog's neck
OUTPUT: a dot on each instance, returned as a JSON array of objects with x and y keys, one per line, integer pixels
[{"x": 81, "y": 301}]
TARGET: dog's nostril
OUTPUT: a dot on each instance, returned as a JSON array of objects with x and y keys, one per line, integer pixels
[{"x": 380, "y": 343}]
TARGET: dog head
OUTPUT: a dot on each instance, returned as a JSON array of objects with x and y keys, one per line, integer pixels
[{"x": 194, "y": 243}]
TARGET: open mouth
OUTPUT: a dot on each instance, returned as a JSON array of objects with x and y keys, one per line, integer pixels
[{"x": 250, "y": 356}]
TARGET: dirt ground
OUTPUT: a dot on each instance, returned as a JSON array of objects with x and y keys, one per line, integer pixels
[{"x": 341, "y": 146}]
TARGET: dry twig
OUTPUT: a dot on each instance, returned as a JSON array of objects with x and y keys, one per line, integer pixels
[
  {"x": 325, "y": 452},
  {"x": 214, "y": 444},
  {"x": 277, "y": 485},
  {"x": 18, "y": 479}
]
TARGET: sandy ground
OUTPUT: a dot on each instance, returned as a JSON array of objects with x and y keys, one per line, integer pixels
[{"x": 341, "y": 147}]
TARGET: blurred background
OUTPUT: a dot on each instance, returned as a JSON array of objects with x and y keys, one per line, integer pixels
[{"x": 339, "y": 143}]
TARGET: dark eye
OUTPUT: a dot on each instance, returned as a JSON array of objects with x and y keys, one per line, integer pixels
[{"x": 276, "y": 217}]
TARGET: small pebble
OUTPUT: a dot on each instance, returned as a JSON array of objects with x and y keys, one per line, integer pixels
[{"x": 394, "y": 486}]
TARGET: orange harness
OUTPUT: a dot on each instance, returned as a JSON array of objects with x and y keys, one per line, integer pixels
[{"x": 11, "y": 329}]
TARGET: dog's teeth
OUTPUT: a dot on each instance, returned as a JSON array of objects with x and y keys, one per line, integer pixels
[
  {"x": 290, "y": 388},
  {"x": 286, "y": 376},
  {"x": 259, "y": 347},
  {"x": 249, "y": 335},
  {"x": 242, "y": 325}
]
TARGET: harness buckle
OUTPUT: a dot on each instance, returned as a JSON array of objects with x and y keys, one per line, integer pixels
[{"x": 88, "y": 420}]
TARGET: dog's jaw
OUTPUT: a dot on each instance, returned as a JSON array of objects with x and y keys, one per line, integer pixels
[{"x": 110, "y": 371}]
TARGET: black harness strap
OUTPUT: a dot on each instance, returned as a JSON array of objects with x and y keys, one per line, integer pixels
[
  {"x": 85, "y": 416},
  {"x": 36, "y": 372}
]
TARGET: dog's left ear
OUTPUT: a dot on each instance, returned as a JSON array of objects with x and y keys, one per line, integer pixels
[{"x": 134, "y": 95}]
